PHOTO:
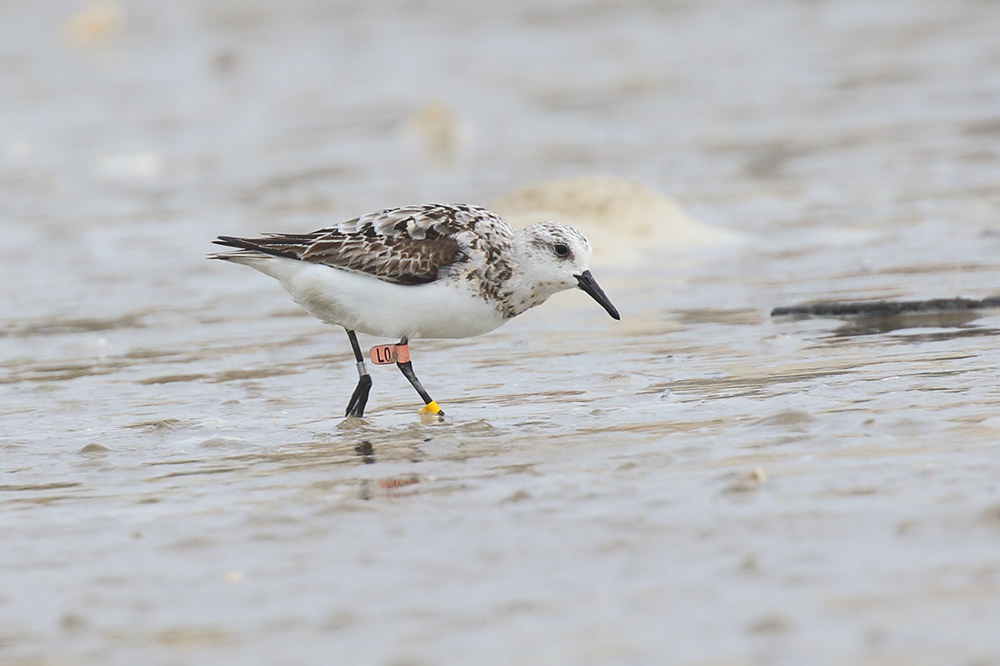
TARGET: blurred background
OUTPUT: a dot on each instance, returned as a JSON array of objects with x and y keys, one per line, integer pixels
[
  {"x": 699, "y": 484},
  {"x": 122, "y": 120}
]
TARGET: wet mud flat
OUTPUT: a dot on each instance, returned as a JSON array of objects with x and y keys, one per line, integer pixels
[{"x": 698, "y": 483}]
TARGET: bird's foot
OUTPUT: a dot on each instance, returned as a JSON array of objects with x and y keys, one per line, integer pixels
[
  {"x": 431, "y": 408},
  {"x": 431, "y": 413},
  {"x": 356, "y": 407}
]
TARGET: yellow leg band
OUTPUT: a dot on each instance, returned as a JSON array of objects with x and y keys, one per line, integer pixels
[{"x": 430, "y": 408}]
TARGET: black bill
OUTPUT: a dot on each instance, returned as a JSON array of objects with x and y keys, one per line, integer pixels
[{"x": 589, "y": 285}]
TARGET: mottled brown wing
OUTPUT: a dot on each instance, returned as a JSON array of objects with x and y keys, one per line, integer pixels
[
  {"x": 410, "y": 245},
  {"x": 398, "y": 259}
]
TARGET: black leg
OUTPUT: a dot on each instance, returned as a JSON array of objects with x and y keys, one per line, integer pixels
[
  {"x": 356, "y": 407},
  {"x": 430, "y": 407}
]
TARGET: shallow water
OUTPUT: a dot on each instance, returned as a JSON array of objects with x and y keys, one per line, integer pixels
[{"x": 697, "y": 483}]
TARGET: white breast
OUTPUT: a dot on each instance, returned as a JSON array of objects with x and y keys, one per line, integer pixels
[{"x": 362, "y": 303}]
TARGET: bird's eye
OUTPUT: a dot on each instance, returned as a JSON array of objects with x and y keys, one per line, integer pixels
[{"x": 561, "y": 250}]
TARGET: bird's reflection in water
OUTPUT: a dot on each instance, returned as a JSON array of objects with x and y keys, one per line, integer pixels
[
  {"x": 366, "y": 452},
  {"x": 387, "y": 487},
  {"x": 391, "y": 486}
]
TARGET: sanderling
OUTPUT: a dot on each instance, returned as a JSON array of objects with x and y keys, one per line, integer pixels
[{"x": 429, "y": 271}]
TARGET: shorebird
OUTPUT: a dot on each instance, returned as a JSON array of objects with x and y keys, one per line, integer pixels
[{"x": 425, "y": 271}]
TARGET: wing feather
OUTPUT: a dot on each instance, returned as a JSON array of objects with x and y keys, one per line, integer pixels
[{"x": 409, "y": 245}]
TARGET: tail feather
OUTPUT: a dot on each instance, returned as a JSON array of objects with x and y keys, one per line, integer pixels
[{"x": 247, "y": 247}]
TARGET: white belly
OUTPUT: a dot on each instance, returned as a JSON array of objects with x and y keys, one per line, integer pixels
[{"x": 376, "y": 307}]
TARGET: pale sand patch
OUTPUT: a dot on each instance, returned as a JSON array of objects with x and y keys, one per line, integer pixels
[{"x": 623, "y": 219}]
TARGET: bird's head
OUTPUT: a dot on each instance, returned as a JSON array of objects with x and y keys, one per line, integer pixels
[{"x": 556, "y": 257}]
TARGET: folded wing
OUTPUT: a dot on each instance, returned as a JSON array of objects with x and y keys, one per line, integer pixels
[{"x": 410, "y": 245}]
